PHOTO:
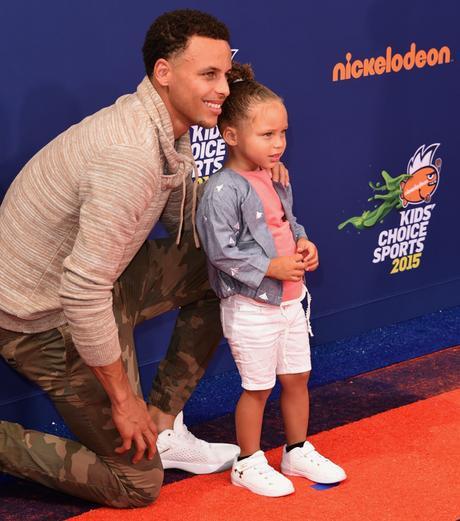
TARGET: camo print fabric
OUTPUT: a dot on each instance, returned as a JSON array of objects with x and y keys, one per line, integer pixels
[{"x": 161, "y": 277}]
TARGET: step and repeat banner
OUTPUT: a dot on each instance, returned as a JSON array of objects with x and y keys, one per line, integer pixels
[{"x": 371, "y": 88}]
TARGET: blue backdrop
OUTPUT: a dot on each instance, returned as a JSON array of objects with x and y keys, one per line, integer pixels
[{"x": 61, "y": 61}]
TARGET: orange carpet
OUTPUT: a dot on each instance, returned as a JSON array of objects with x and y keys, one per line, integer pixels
[{"x": 403, "y": 464}]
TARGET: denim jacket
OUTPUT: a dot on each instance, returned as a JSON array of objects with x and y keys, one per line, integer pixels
[{"x": 236, "y": 238}]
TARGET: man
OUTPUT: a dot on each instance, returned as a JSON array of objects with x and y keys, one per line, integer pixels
[{"x": 77, "y": 275}]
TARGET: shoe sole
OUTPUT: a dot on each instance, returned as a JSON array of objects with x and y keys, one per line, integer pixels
[
  {"x": 292, "y": 472},
  {"x": 260, "y": 493},
  {"x": 197, "y": 468}
]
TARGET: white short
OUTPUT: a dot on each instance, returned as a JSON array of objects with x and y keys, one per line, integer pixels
[{"x": 265, "y": 340}]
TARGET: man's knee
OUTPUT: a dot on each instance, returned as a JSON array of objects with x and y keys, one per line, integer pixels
[
  {"x": 143, "y": 488},
  {"x": 141, "y": 485},
  {"x": 137, "y": 498}
]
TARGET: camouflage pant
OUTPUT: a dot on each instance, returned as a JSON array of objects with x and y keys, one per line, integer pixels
[{"x": 161, "y": 277}]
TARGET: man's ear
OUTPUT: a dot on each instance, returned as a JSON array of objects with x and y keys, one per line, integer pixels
[
  {"x": 230, "y": 136},
  {"x": 162, "y": 72}
]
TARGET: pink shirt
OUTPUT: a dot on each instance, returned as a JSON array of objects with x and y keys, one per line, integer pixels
[{"x": 278, "y": 225}]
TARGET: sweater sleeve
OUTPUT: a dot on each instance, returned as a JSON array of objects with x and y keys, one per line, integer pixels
[
  {"x": 217, "y": 222},
  {"x": 114, "y": 192}
]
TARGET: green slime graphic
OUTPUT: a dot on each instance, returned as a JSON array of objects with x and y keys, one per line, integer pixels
[{"x": 389, "y": 200}]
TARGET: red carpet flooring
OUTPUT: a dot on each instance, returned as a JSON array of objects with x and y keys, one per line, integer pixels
[{"x": 403, "y": 464}]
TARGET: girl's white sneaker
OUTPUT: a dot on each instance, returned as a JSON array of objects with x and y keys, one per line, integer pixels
[
  {"x": 307, "y": 462},
  {"x": 255, "y": 474}
]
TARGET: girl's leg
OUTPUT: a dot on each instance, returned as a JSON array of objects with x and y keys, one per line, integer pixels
[
  {"x": 248, "y": 419},
  {"x": 294, "y": 402},
  {"x": 302, "y": 459},
  {"x": 299, "y": 456},
  {"x": 251, "y": 470}
]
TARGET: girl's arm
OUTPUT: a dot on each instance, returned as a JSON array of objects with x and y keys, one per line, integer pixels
[{"x": 218, "y": 219}]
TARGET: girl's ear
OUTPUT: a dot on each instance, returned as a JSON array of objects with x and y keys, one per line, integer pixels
[
  {"x": 230, "y": 136},
  {"x": 161, "y": 72}
]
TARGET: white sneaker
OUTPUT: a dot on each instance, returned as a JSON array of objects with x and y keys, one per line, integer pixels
[
  {"x": 307, "y": 462},
  {"x": 180, "y": 449},
  {"x": 255, "y": 474}
]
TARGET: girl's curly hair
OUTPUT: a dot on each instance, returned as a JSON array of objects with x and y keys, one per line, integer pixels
[{"x": 244, "y": 92}]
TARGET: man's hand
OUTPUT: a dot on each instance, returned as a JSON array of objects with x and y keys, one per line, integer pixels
[
  {"x": 129, "y": 412},
  {"x": 280, "y": 174},
  {"x": 290, "y": 267},
  {"x": 135, "y": 424},
  {"x": 309, "y": 253}
]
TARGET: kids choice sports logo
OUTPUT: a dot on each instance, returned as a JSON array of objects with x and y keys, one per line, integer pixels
[
  {"x": 208, "y": 148},
  {"x": 354, "y": 69},
  {"x": 404, "y": 244}
]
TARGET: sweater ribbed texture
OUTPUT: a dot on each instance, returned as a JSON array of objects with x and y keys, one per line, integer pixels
[{"x": 78, "y": 212}]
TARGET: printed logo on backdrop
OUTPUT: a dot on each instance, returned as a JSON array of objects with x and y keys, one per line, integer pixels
[
  {"x": 390, "y": 62},
  {"x": 208, "y": 148},
  {"x": 412, "y": 194}
]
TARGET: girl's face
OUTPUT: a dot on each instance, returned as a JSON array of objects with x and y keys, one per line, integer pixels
[{"x": 261, "y": 137}]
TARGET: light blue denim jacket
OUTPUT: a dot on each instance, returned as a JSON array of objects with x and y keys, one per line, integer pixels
[{"x": 236, "y": 238}]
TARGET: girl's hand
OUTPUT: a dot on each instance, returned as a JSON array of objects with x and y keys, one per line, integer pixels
[
  {"x": 289, "y": 267},
  {"x": 309, "y": 252}
]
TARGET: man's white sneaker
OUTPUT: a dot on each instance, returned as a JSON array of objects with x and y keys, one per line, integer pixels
[
  {"x": 180, "y": 449},
  {"x": 255, "y": 474},
  {"x": 307, "y": 462}
]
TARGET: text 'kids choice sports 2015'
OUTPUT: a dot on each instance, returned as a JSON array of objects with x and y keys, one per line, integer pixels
[{"x": 403, "y": 245}]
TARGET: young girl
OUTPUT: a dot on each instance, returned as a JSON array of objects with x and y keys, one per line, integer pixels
[{"x": 257, "y": 255}]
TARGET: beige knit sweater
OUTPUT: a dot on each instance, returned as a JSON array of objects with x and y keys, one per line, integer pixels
[{"x": 78, "y": 212}]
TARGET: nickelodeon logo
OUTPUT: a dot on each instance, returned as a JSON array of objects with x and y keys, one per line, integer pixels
[{"x": 390, "y": 63}]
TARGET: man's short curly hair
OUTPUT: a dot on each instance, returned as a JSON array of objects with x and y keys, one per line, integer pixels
[{"x": 171, "y": 31}]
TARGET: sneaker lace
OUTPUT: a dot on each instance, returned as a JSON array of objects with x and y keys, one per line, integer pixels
[
  {"x": 186, "y": 435},
  {"x": 265, "y": 468},
  {"x": 262, "y": 467},
  {"x": 315, "y": 457}
]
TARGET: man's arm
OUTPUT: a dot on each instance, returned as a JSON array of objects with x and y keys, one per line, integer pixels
[
  {"x": 280, "y": 174},
  {"x": 114, "y": 192},
  {"x": 129, "y": 412}
]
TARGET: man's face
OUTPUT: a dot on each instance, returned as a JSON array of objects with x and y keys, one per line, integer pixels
[{"x": 197, "y": 84}]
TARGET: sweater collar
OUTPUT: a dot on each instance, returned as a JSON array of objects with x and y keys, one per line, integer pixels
[{"x": 177, "y": 153}]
